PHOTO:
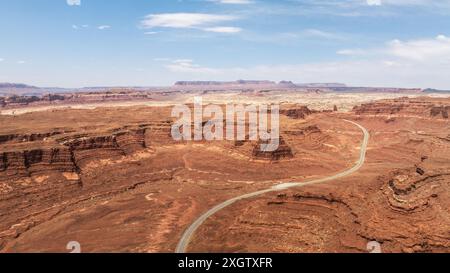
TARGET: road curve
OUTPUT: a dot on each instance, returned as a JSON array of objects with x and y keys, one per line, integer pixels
[{"x": 187, "y": 236}]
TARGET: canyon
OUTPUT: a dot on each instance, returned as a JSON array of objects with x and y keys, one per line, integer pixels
[{"x": 114, "y": 180}]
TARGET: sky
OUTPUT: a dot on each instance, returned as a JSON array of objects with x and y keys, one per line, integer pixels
[{"x": 84, "y": 43}]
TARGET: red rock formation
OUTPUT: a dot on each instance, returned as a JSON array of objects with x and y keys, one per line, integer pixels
[
  {"x": 29, "y": 162},
  {"x": 304, "y": 131},
  {"x": 27, "y": 137},
  {"x": 440, "y": 111},
  {"x": 131, "y": 141},
  {"x": 16, "y": 101},
  {"x": 68, "y": 154},
  {"x": 407, "y": 107},
  {"x": 297, "y": 113},
  {"x": 34, "y": 174},
  {"x": 283, "y": 151}
]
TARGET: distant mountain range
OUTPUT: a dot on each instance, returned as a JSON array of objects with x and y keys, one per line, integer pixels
[
  {"x": 17, "y": 89},
  {"x": 431, "y": 90},
  {"x": 208, "y": 83},
  {"x": 261, "y": 83},
  {"x": 20, "y": 89},
  {"x": 15, "y": 85}
]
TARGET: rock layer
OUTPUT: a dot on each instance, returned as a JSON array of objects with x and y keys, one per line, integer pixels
[{"x": 407, "y": 107}]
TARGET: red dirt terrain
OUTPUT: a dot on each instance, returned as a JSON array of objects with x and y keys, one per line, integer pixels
[{"x": 114, "y": 180}]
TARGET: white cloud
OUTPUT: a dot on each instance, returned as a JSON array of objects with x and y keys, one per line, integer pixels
[
  {"x": 407, "y": 2},
  {"x": 416, "y": 63},
  {"x": 355, "y": 73},
  {"x": 1, "y": 59},
  {"x": 183, "y": 20},
  {"x": 350, "y": 8},
  {"x": 421, "y": 50},
  {"x": 151, "y": 32},
  {"x": 74, "y": 2},
  {"x": 21, "y": 62},
  {"x": 321, "y": 34},
  {"x": 188, "y": 66},
  {"x": 223, "y": 29},
  {"x": 374, "y": 2},
  {"x": 348, "y": 3},
  {"x": 103, "y": 27},
  {"x": 418, "y": 3},
  {"x": 161, "y": 59},
  {"x": 391, "y": 63},
  {"x": 76, "y": 27},
  {"x": 351, "y": 52}
]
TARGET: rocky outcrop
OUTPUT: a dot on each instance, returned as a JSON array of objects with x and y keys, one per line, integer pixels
[
  {"x": 406, "y": 183},
  {"x": 411, "y": 201},
  {"x": 287, "y": 84},
  {"x": 29, "y": 162},
  {"x": 159, "y": 133},
  {"x": 440, "y": 111},
  {"x": 28, "y": 137},
  {"x": 378, "y": 108},
  {"x": 13, "y": 163},
  {"x": 131, "y": 141},
  {"x": 35, "y": 174},
  {"x": 119, "y": 143},
  {"x": 312, "y": 129},
  {"x": 91, "y": 143},
  {"x": 284, "y": 151},
  {"x": 110, "y": 95},
  {"x": 69, "y": 153},
  {"x": 404, "y": 212},
  {"x": 419, "y": 107},
  {"x": 297, "y": 113},
  {"x": 126, "y": 141}
]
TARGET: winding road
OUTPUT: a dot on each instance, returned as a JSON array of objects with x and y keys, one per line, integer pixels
[{"x": 187, "y": 236}]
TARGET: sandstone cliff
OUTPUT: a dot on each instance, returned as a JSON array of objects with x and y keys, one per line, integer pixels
[
  {"x": 283, "y": 151},
  {"x": 406, "y": 107},
  {"x": 300, "y": 112}
]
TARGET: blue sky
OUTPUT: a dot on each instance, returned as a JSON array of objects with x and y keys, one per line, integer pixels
[{"x": 75, "y": 43}]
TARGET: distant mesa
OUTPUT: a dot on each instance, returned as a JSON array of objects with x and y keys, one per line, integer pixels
[
  {"x": 19, "y": 89},
  {"x": 432, "y": 90},
  {"x": 224, "y": 83},
  {"x": 322, "y": 85},
  {"x": 254, "y": 82},
  {"x": 20, "y": 95},
  {"x": 283, "y": 83},
  {"x": 16, "y": 85},
  {"x": 287, "y": 84}
]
